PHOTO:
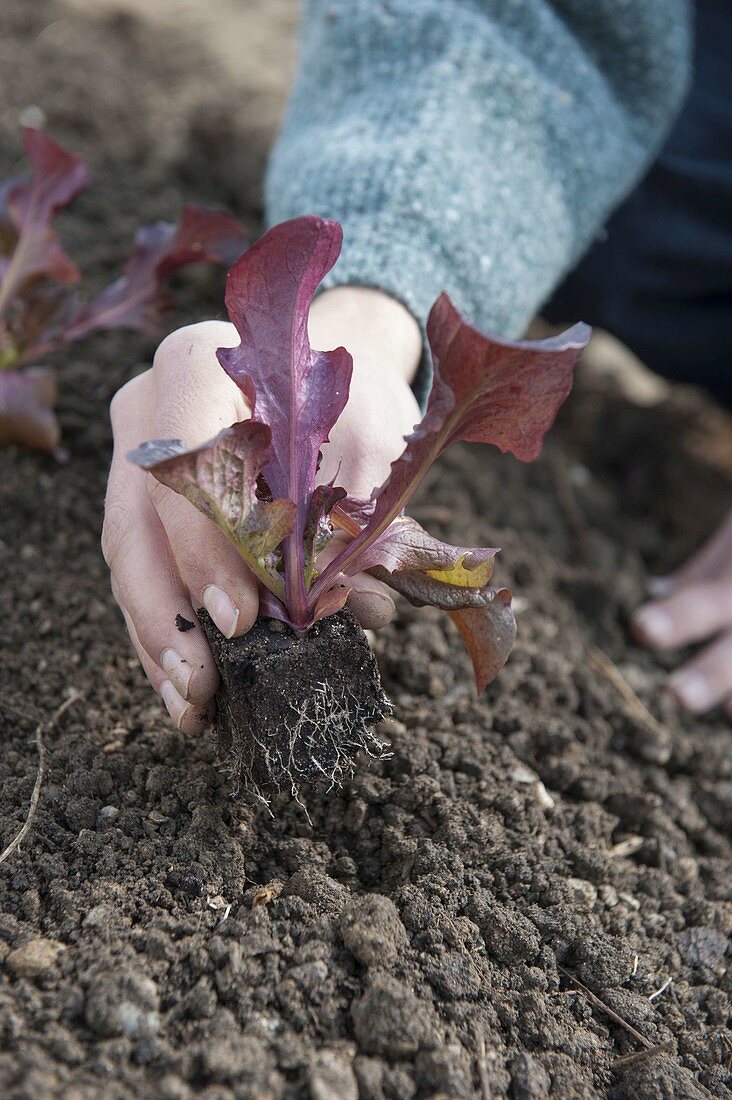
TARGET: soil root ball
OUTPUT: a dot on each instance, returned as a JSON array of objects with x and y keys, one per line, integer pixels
[{"x": 293, "y": 711}]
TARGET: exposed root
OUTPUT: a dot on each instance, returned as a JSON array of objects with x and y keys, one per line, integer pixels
[
  {"x": 318, "y": 744},
  {"x": 42, "y": 727}
]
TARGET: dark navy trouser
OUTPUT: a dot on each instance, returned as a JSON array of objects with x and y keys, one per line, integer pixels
[{"x": 661, "y": 279}]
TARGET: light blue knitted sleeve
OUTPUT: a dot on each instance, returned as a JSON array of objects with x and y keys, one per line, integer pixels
[{"x": 474, "y": 146}]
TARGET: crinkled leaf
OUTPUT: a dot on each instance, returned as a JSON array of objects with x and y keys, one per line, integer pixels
[
  {"x": 297, "y": 391},
  {"x": 482, "y": 615},
  {"x": 220, "y": 479},
  {"x": 27, "y": 400},
  {"x": 428, "y": 571},
  {"x": 139, "y": 297},
  {"x": 405, "y": 547},
  {"x": 28, "y": 204}
]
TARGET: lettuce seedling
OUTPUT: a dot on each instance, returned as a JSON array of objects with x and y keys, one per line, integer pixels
[
  {"x": 40, "y": 309},
  {"x": 258, "y": 479}
]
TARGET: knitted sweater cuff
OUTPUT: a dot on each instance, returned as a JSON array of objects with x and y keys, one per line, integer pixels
[{"x": 470, "y": 149}]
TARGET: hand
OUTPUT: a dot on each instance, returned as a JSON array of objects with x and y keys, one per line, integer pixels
[
  {"x": 165, "y": 557},
  {"x": 695, "y": 605}
]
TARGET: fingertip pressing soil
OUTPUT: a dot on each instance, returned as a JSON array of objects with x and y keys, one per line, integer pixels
[
  {"x": 421, "y": 931},
  {"x": 292, "y": 711}
]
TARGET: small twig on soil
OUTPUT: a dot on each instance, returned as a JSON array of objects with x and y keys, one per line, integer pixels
[
  {"x": 606, "y": 1008},
  {"x": 640, "y": 1056},
  {"x": 482, "y": 1063},
  {"x": 663, "y": 989},
  {"x": 41, "y": 728},
  {"x": 602, "y": 663}
]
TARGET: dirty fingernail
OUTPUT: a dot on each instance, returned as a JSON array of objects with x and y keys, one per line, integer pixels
[
  {"x": 221, "y": 609},
  {"x": 178, "y": 670},
  {"x": 693, "y": 691},
  {"x": 655, "y": 624},
  {"x": 176, "y": 706}
]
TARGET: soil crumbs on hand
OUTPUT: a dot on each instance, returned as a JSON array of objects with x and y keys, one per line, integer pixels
[{"x": 423, "y": 933}]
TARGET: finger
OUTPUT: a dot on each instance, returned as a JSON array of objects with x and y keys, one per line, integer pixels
[
  {"x": 691, "y": 614},
  {"x": 196, "y": 411},
  {"x": 369, "y": 599},
  {"x": 154, "y": 673},
  {"x": 707, "y": 680},
  {"x": 194, "y": 398},
  {"x": 151, "y": 593},
  {"x": 186, "y": 716},
  {"x": 146, "y": 581},
  {"x": 371, "y": 602},
  {"x": 208, "y": 563}
]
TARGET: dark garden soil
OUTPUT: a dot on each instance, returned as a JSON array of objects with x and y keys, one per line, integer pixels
[{"x": 422, "y": 932}]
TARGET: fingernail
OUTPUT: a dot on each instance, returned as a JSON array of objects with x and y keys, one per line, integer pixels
[
  {"x": 655, "y": 624},
  {"x": 659, "y": 587},
  {"x": 221, "y": 609},
  {"x": 176, "y": 706},
  {"x": 178, "y": 670},
  {"x": 693, "y": 691}
]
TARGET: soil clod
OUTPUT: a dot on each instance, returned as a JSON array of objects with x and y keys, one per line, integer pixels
[{"x": 293, "y": 711}]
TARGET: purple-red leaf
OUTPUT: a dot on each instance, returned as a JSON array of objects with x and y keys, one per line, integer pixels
[
  {"x": 297, "y": 391},
  {"x": 27, "y": 400},
  {"x": 30, "y": 247},
  {"x": 37, "y": 315},
  {"x": 484, "y": 390},
  {"x": 220, "y": 479},
  {"x": 138, "y": 298},
  {"x": 488, "y": 633},
  {"x": 454, "y": 578},
  {"x": 406, "y": 547}
]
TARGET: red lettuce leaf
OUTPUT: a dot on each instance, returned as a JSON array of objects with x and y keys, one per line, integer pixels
[
  {"x": 39, "y": 311},
  {"x": 38, "y": 320},
  {"x": 454, "y": 578},
  {"x": 138, "y": 299},
  {"x": 405, "y": 547},
  {"x": 29, "y": 247},
  {"x": 27, "y": 399},
  {"x": 297, "y": 391},
  {"x": 488, "y": 633},
  {"x": 220, "y": 478}
]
